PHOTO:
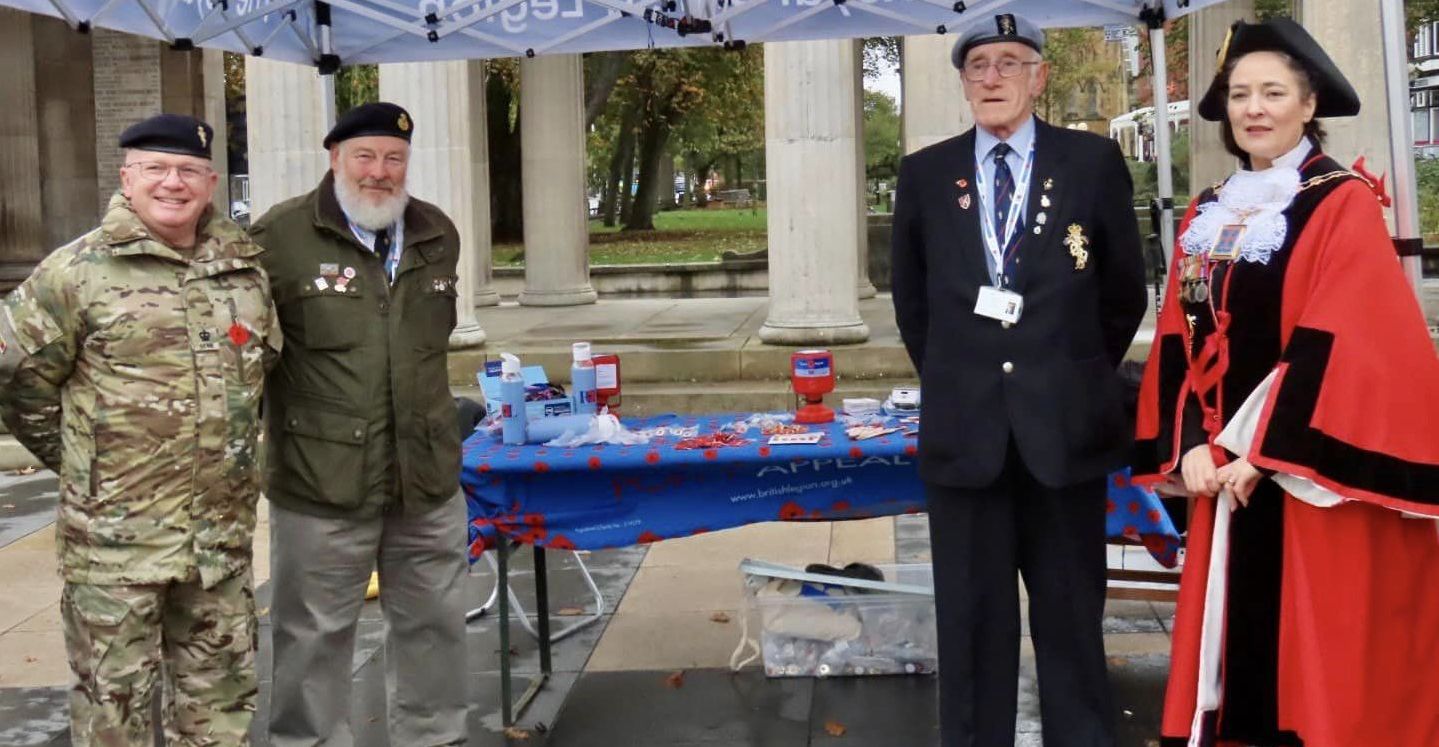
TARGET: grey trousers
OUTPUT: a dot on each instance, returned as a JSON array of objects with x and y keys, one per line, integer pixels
[{"x": 319, "y": 570}]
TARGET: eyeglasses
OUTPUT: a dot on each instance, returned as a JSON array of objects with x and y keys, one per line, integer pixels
[
  {"x": 153, "y": 171},
  {"x": 1008, "y": 67}
]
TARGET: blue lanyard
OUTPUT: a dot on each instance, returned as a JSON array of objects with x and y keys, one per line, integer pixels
[{"x": 1016, "y": 204}]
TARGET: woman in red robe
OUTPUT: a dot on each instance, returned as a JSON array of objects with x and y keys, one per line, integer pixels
[{"x": 1293, "y": 389}]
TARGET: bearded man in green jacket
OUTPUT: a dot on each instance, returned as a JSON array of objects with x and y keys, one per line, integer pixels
[{"x": 363, "y": 454}]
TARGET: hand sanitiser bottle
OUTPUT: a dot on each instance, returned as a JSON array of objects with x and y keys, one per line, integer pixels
[
  {"x": 512, "y": 400},
  {"x": 582, "y": 379}
]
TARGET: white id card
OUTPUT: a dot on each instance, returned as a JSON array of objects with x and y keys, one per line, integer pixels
[{"x": 998, "y": 303}]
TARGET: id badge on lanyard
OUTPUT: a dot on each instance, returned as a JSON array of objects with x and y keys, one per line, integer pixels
[{"x": 996, "y": 301}]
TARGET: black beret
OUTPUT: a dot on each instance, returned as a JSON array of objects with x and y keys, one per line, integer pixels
[
  {"x": 170, "y": 133},
  {"x": 1005, "y": 27},
  {"x": 381, "y": 118},
  {"x": 1334, "y": 96}
]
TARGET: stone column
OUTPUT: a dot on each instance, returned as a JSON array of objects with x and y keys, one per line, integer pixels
[
  {"x": 22, "y": 229},
  {"x": 1348, "y": 32},
  {"x": 934, "y": 107},
  {"x": 447, "y": 103},
  {"x": 211, "y": 108},
  {"x": 288, "y": 109},
  {"x": 67, "y": 132},
  {"x": 1208, "y": 161},
  {"x": 811, "y": 93},
  {"x": 556, "y": 214},
  {"x": 864, "y": 288}
]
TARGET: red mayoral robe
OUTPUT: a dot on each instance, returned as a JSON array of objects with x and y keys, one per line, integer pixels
[{"x": 1309, "y": 618}]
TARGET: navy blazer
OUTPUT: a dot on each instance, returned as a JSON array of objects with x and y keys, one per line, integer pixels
[{"x": 1049, "y": 380}]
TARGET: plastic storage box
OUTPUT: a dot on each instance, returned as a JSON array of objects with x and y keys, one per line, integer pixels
[{"x": 811, "y": 625}]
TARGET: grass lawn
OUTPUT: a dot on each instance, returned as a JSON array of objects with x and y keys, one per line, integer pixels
[{"x": 680, "y": 236}]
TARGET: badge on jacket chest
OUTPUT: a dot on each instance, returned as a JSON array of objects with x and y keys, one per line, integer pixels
[{"x": 1078, "y": 245}]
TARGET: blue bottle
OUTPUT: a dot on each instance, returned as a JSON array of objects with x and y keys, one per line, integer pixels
[
  {"x": 512, "y": 400},
  {"x": 582, "y": 379}
]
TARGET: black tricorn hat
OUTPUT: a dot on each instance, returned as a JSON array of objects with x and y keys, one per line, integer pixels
[
  {"x": 1334, "y": 96},
  {"x": 379, "y": 118}
]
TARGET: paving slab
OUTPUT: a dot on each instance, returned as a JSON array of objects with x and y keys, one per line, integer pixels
[
  {"x": 35, "y": 716},
  {"x": 644, "y": 709},
  {"x": 27, "y": 504},
  {"x": 792, "y": 543}
]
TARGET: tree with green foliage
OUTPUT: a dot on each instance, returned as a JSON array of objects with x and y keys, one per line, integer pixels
[
  {"x": 881, "y": 136},
  {"x": 707, "y": 102},
  {"x": 1076, "y": 64}
]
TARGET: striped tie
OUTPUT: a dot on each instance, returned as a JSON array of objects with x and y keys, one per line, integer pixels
[{"x": 1003, "y": 194}]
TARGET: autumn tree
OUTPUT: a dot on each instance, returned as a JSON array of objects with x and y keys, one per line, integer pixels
[
  {"x": 704, "y": 102},
  {"x": 1077, "y": 64}
]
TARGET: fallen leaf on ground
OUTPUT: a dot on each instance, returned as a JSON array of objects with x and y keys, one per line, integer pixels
[
  {"x": 834, "y": 728},
  {"x": 514, "y": 732},
  {"x": 675, "y": 681},
  {"x": 31, "y": 659},
  {"x": 719, "y": 617},
  {"x": 24, "y": 471},
  {"x": 569, "y": 611}
]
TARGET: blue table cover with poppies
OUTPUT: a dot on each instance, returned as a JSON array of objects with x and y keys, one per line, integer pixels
[{"x": 595, "y": 497}]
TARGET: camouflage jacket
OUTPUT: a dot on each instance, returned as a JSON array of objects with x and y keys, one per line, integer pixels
[{"x": 135, "y": 374}]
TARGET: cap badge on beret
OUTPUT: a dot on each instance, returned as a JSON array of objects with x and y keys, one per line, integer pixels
[
  {"x": 204, "y": 139},
  {"x": 1005, "y": 22},
  {"x": 403, "y": 122}
]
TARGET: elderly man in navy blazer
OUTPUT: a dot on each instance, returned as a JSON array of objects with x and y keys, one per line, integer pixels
[{"x": 1018, "y": 285}]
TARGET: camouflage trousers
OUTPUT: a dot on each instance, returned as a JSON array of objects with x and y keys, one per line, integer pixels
[{"x": 123, "y": 640}]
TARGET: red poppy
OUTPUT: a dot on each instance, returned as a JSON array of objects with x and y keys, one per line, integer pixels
[
  {"x": 856, "y": 452},
  {"x": 711, "y": 454},
  {"x": 542, "y": 467},
  {"x": 1134, "y": 507},
  {"x": 911, "y": 449},
  {"x": 239, "y": 334},
  {"x": 791, "y": 511},
  {"x": 594, "y": 462},
  {"x": 484, "y": 467},
  {"x": 1109, "y": 506},
  {"x": 764, "y": 451},
  {"x": 647, "y": 537},
  {"x": 840, "y": 506},
  {"x": 1154, "y": 515},
  {"x": 653, "y": 457},
  {"x": 534, "y": 520},
  {"x": 561, "y": 542}
]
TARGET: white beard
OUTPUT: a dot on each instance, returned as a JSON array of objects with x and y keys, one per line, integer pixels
[{"x": 367, "y": 214}]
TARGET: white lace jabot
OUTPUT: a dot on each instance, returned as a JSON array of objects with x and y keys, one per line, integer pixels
[{"x": 1256, "y": 199}]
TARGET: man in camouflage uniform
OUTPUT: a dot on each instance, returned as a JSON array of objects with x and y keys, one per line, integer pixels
[{"x": 131, "y": 363}]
